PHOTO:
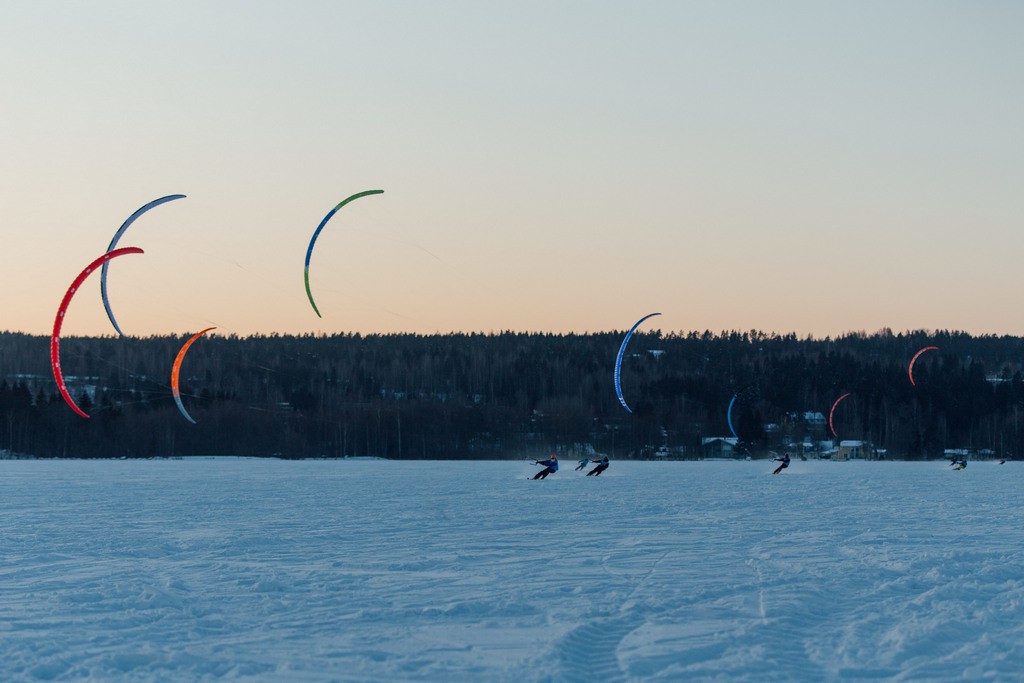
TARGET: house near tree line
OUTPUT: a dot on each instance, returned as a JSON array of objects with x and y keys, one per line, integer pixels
[{"x": 719, "y": 446}]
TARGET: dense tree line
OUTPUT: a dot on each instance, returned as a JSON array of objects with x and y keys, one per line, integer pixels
[{"x": 509, "y": 395}]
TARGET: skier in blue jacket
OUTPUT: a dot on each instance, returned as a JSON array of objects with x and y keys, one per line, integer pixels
[
  {"x": 583, "y": 463},
  {"x": 602, "y": 465},
  {"x": 550, "y": 467}
]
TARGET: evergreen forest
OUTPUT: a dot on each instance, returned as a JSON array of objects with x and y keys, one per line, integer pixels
[{"x": 514, "y": 395}]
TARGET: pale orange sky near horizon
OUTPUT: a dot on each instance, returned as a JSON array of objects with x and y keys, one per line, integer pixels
[{"x": 801, "y": 167}]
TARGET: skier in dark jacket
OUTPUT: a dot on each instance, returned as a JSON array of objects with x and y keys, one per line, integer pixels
[
  {"x": 784, "y": 460},
  {"x": 550, "y": 467},
  {"x": 601, "y": 467}
]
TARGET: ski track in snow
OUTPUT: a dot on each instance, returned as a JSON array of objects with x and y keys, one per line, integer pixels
[{"x": 369, "y": 570}]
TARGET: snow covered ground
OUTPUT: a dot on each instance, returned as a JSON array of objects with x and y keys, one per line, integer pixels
[{"x": 374, "y": 570}]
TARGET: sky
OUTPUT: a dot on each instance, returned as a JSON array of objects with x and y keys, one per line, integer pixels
[{"x": 805, "y": 167}]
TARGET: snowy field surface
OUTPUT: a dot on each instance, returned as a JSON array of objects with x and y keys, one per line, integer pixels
[{"x": 368, "y": 570}]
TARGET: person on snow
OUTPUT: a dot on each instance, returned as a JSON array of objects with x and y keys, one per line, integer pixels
[
  {"x": 602, "y": 465},
  {"x": 550, "y": 467},
  {"x": 959, "y": 464},
  {"x": 583, "y": 463},
  {"x": 784, "y": 460}
]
